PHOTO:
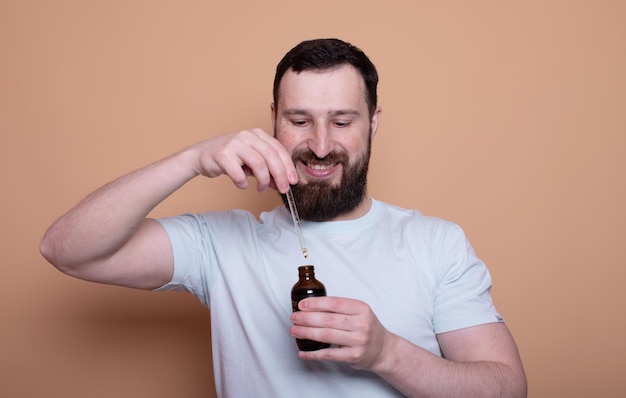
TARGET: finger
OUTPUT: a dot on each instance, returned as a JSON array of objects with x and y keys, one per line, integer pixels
[
  {"x": 335, "y": 354},
  {"x": 340, "y": 338},
  {"x": 248, "y": 155},
  {"x": 340, "y": 305},
  {"x": 355, "y": 357},
  {"x": 256, "y": 165},
  {"x": 278, "y": 161},
  {"x": 327, "y": 320},
  {"x": 236, "y": 167},
  {"x": 237, "y": 174}
]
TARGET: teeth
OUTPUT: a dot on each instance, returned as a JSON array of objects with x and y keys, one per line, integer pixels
[{"x": 320, "y": 166}]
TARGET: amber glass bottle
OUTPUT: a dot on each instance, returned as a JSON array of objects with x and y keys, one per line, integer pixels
[{"x": 307, "y": 286}]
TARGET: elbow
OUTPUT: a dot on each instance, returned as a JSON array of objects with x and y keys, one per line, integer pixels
[
  {"x": 46, "y": 246},
  {"x": 68, "y": 258},
  {"x": 49, "y": 249}
]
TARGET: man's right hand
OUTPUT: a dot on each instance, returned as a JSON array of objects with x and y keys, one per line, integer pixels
[{"x": 247, "y": 153}]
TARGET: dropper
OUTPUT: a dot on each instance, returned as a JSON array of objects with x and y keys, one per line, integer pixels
[{"x": 296, "y": 223}]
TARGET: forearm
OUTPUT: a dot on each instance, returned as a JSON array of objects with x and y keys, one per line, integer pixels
[
  {"x": 418, "y": 373},
  {"x": 106, "y": 219}
]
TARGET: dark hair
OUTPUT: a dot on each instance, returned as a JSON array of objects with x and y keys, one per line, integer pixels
[{"x": 321, "y": 54}]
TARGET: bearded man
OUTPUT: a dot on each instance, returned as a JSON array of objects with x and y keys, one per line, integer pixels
[{"x": 409, "y": 311}]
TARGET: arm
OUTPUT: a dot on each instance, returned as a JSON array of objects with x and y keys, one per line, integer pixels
[
  {"x": 107, "y": 238},
  {"x": 480, "y": 361}
]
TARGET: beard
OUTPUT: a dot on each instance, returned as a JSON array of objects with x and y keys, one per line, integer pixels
[{"x": 323, "y": 200}]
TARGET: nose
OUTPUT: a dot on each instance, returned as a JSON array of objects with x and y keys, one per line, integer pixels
[{"x": 320, "y": 143}]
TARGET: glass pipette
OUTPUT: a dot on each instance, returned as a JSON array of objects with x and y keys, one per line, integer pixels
[{"x": 296, "y": 223}]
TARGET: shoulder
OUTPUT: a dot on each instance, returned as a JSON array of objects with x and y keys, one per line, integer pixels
[
  {"x": 209, "y": 221},
  {"x": 413, "y": 218}
]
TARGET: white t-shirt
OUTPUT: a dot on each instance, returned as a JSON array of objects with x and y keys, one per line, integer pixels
[{"x": 419, "y": 275}]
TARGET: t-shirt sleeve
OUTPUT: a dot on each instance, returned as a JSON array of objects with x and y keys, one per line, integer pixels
[
  {"x": 462, "y": 291},
  {"x": 192, "y": 252}
]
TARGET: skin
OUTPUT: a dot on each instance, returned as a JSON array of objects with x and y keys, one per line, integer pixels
[{"x": 102, "y": 241}]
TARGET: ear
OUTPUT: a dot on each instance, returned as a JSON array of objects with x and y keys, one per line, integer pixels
[
  {"x": 273, "y": 115},
  {"x": 375, "y": 120}
]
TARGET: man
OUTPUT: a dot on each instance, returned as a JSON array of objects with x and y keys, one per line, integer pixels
[{"x": 409, "y": 310}]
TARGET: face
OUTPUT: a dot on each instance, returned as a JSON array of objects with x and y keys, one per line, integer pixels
[{"x": 322, "y": 119}]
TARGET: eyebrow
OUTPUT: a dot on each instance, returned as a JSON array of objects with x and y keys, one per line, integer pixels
[{"x": 338, "y": 112}]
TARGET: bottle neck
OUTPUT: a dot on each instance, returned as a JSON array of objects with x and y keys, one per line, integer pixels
[{"x": 306, "y": 272}]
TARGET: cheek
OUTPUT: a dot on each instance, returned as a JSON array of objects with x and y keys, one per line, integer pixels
[
  {"x": 354, "y": 144},
  {"x": 288, "y": 140}
]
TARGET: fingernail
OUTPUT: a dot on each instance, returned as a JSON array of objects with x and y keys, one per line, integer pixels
[{"x": 293, "y": 178}]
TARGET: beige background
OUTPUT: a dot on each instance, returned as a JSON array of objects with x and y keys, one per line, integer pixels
[{"x": 506, "y": 117}]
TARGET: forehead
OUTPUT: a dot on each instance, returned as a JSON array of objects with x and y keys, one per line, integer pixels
[{"x": 328, "y": 89}]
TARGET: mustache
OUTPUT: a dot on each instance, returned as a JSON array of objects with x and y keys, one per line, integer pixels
[{"x": 307, "y": 156}]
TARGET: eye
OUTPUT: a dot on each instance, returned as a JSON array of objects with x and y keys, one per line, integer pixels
[
  {"x": 341, "y": 123},
  {"x": 299, "y": 122}
]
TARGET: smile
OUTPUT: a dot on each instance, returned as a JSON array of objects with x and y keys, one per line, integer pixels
[
  {"x": 320, "y": 170},
  {"x": 317, "y": 166}
]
